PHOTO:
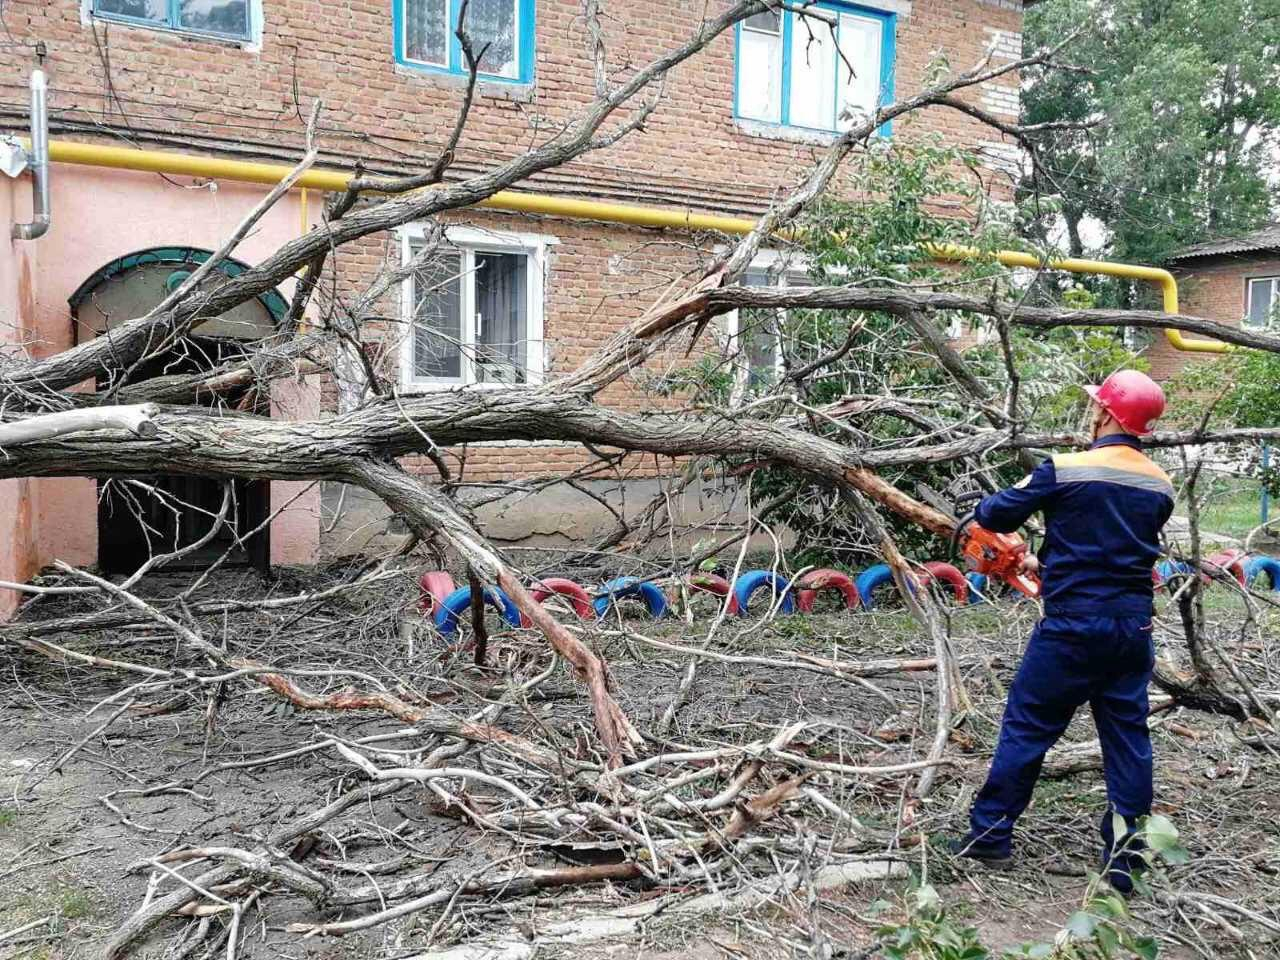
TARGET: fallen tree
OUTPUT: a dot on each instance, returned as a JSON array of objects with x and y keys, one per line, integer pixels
[{"x": 855, "y": 446}]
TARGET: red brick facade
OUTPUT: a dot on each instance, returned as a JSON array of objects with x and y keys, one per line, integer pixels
[
  {"x": 156, "y": 88},
  {"x": 129, "y": 85},
  {"x": 1215, "y": 288}
]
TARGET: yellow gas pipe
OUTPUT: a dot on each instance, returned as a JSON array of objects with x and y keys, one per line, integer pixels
[{"x": 154, "y": 161}]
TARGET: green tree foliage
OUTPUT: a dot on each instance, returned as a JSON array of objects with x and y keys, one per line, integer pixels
[
  {"x": 1188, "y": 95},
  {"x": 913, "y": 192}
]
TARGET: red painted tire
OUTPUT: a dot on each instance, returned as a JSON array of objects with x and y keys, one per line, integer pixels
[
  {"x": 715, "y": 585},
  {"x": 559, "y": 586},
  {"x": 432, "y": 589},
  {"x": 946, "y": 573},
  {"x": 1230, "y": 560},
  {"x": 817, "y": 580}
]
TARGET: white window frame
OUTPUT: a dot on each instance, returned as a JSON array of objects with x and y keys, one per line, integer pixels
[
  {"x": 253, "y": 43},
  {"x": 470, "y": 241},
  {"x": 1247, "y": 320}
]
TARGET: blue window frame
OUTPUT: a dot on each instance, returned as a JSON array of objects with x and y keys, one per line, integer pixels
[
  {"x": 425, "y": 36},
  {"x": 794, "y": 71},
  {"x": 224, "y": 19}
]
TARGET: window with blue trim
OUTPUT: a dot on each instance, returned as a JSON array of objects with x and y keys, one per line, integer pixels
[
  {"x": 425, "y": 36},
  {"x": 822, "y": 70},
  {"x": 229, "y": 19}
]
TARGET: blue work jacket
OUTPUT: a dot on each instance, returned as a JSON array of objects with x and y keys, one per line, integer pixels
[{"x": 1103, "y": 511}]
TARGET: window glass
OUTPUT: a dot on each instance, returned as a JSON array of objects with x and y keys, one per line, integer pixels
[
  {"x": 493, "y": 22},
  {"x": 502, "y": 337},
  {"x": 813, "y": 78},
  {"x": 1261, "y": 301},
  {"x": 824, "y": 69},
  {"x": 157, "y": 10},
  {"x": 859, "y": 39},
  {"x": 215, "y": 16},
  {"x": 426, "y": 31},
  {"x": 437, "y": 319},
  {"x": 760, "y": 69},
  {"x": 768, "y": 22}
]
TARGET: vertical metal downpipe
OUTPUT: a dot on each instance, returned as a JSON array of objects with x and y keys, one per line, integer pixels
[{"x": 39, "y": 162}]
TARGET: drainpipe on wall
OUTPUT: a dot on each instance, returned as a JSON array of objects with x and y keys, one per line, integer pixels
[{"x": 38, "y": 162}]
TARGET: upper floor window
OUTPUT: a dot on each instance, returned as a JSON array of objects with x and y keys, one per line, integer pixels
[
  {"x": 822, "y": 69},
  {"x": 475, "y": 311},
  {"x": 1262, "y": 305},
  {"x": 228, "y": 19},
  {"x": 426, "y": 36}
]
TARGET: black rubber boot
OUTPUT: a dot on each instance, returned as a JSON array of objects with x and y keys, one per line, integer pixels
[{"x": 992, "y": 856}]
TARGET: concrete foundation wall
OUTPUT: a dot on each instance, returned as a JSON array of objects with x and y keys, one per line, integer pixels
[{"x": 355, "y": 521}]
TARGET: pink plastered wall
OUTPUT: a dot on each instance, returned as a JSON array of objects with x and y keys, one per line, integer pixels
[
  {"x": 17, "y": 272},
  {"x": 99, "y": 215}
]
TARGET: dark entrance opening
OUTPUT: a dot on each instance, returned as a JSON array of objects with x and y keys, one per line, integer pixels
[{"x": 142, "y": 516}]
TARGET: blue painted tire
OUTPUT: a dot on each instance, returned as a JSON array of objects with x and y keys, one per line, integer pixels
[
  {"x": 751, "y": 581},
  {"x": 977, "y": 587},
  {"x": 615, "y": 590},
  {"x": 451, "y": 608},
  {"x": 1169, "y": 568},
  {"x": 871, "y": 578},
  {"x": 1259, "y": 565}
]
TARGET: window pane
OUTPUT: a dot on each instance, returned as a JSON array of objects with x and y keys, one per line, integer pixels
[
  {"x": 770, "y": 22},
  {"x": 157, "y": 10},
  {"x": 230, "y": 17},
  {"x": 426, "y": 31},
  {"x": 759, "y": 336},
  {"x": 493, "y": 22},
  {"x": 501, "y": 318},
  {"x": 760, "y": 76},
  {"x": 813, "y": 79},
  {"x": 1260, "y": 301},
  {"x": 860, "y": 39},
  {"x": 437, "y": 319}
]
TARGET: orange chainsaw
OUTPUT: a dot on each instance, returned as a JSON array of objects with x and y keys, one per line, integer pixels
[{"x": 995, "y": 555}]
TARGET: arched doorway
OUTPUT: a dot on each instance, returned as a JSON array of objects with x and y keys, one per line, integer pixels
[{"x": 139, "y": 517}]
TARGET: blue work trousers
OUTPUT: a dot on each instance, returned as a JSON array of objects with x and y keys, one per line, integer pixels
[{"x": 1072, "y": 660}]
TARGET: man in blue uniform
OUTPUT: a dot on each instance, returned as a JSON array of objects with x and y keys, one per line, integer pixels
[{"x": 1103, "y": 511}]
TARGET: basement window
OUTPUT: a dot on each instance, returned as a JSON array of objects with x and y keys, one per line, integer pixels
[
  {"x": 474, "y": 312},
  {"x": 1262, "y": 301},
  {"x": 426, "y": 36},
  {"x": 823, "y": 70},
  {"x": 221, "y": 19}
]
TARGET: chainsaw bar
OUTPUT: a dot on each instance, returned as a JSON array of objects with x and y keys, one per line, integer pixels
[{"x": 936, "y": 500}]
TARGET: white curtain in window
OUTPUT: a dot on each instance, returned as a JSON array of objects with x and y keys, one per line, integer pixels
[
  {"x": 230, "y": 17},
  {"x": 141, "y": 9},
  {"x": 760, "y": 68},
  {"x": 494, "y": 22},
  {"x": 813, "y": 79},
  {"x": 501, "y": 300},
  {"x": 758, "y": 333},
  {"x": 437, "y": 319},
  {"x": 426, "y": 31},
  {"x": 860, "y": 40}
]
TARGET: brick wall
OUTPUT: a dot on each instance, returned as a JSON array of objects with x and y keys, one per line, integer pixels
[
  {"x": 1213, "y": 288},
  {"x": 142, "y": 87},
  {"x": 162, "y": 88}
]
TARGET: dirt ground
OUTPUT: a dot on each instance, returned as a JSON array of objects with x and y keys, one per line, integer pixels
[{"x": 78, "y": 844}]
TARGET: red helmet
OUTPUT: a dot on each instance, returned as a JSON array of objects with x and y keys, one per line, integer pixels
[{"x": 1133, "y": 398}]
